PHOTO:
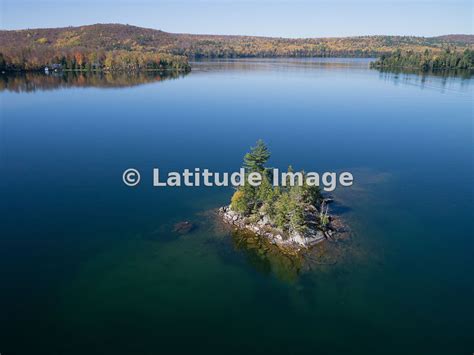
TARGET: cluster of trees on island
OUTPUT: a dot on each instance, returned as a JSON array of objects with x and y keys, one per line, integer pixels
[
  {"x": 283, "y": 205},
  {"x": 448, "y": 59}
]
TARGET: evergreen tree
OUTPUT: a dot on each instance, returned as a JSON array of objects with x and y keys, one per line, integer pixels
[
  {"x": 268, "y": 195},
  {"x": 282, "y": 211},
  {"x": 257, "y": 157},
  {"x": 3, "y": 63},
  {"x": 296, "y": 208},
  {"x": 265, "y": 190},
  {"x": 311, "y": 194}
]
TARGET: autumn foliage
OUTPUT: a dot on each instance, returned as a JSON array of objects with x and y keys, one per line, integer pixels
[{"x": 124, "y": 47}]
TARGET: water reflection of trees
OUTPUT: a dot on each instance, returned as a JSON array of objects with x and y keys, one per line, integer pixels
[
  {"x": 440, "y": 78},
  {"x": 33, "y": 81},
  {"x": 278, "y": 64},
  {"x": 267, "y": 258},
  {"x": 288, "y": 265}
]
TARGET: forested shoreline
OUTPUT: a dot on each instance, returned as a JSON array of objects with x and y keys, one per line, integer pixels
[
  {"x": 446, "y": 60},
  {"x": 78, "y": 59},
  {"x": 115, "y": 47}
]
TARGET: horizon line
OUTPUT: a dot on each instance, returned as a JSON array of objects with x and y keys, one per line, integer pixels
[{"x": 231, "y": 35}]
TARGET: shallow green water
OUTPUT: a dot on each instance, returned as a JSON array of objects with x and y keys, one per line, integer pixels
[{"x": 89, "y": 265}]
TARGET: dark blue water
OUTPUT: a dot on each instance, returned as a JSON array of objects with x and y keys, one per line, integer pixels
[{"x": 89, "y": 265}]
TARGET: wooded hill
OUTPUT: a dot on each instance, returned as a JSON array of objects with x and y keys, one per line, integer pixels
[{"x": 91, "y": 45}]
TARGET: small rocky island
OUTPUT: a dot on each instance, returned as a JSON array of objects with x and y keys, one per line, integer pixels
[{"x": 293, "y": 218}]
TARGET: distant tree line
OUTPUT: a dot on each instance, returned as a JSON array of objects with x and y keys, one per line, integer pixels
[
  {"x": 269, "y": 48},
  {"x": 81, "y": 59},
  {"x": 448, "y": 59}
]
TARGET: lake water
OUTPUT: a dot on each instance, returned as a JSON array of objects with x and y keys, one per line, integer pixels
[{"x": 91, "y": 266}]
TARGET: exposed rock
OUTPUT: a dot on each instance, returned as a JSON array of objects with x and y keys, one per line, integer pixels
[
  {"x": 328, "y": 200},
  {"x": 263, "y": 227}
]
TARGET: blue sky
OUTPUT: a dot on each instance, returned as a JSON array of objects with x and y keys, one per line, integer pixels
[{"x": 297, "y": 18}]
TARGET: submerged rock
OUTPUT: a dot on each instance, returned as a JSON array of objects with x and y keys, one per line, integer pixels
[{"x": 183, "y": 227}]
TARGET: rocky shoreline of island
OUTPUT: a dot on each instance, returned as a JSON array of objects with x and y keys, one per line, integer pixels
[{"x": 314, "y": 232}]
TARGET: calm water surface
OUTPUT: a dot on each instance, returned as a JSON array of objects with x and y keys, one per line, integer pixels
[{"x": 90, "y": 266}]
